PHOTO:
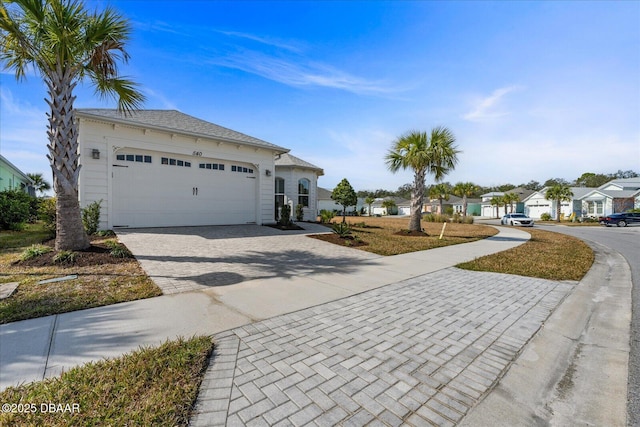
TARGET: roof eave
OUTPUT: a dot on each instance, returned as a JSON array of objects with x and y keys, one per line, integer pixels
[{"x": 276, "y": 149}]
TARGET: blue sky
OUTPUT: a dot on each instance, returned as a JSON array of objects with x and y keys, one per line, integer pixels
[{"x": 532, "y": 90}]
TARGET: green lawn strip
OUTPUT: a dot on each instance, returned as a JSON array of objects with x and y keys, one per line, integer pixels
[
  {"x": 546, "y": 255},
  {"x": 148, "y": 387},
  {"x": 109, "y": 280},
  {"x": 31, "y": 235},
  {"x": 33, "y": 300}
]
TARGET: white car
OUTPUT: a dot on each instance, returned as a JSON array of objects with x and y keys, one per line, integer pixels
[{"x": 517, "y": 219}]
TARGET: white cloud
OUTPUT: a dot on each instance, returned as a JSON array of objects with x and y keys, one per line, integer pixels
[
  {"x": 269, "y": 41},
  {"x": 357, "y": 155},
  {"x": 488, "y": 108},
  {"x": 294, "y": 72},
  {"x": 161, "y": 99}
]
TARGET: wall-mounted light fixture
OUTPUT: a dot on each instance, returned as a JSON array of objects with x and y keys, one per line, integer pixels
[
  {"x": 267, "y": 172},
  {"x": 95, "y": 154}
]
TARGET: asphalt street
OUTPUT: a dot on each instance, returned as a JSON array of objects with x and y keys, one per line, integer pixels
[{"x": 626, "y": 241}]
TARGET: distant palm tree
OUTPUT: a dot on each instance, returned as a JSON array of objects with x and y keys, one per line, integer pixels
[
  {"x": 39, "y": 183},
  {"x": 441, "y": 192},
  {"x": 369, "y": 201},
  {"x": 67, "y": 44},
  {"x": 388, "y": 205},
  {"x": 433, "y": 153},
  {"x": 498, "y": 201},
  {"x": 510, "y": 199},
  {"x": 464, "y": 190},
  {"x": 560, "y": 193}
]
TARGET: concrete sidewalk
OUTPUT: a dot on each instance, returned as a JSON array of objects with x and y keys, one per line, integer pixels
[{"x": 393, "y": 340}]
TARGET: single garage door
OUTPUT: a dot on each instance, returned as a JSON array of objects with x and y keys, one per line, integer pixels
[
  {"x": 152, "y": 189},
  {"x": 535, "y": 211}
]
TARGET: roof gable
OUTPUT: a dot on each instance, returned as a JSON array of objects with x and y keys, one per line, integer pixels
[{"x": 288, "y": 160}]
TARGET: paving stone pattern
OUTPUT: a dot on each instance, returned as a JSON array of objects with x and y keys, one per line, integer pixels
[
  {"x": 183, "y": 259},
  {"x": 419, "y": 352}
]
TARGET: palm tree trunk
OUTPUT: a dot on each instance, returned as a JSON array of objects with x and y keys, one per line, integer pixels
[
  {"x": 417, "y": 196},
  {"x": 464, "y": 206},
  {"x": 63, "y": 157}
]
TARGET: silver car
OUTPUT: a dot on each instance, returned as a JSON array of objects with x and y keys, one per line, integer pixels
[{"x": 517, "y": 219}]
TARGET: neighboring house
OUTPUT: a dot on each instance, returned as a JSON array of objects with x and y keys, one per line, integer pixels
[
  {"x": 618, "y": 195},
  {"x": 537, "y": 204},
  {"x": 157, "y": 168},
  {"x": 403, "y": 206},
  {"x": 325, "y": 202},
  {"x": 296, "y": 183},
  {"x": 489, "y": 210},
  {"x": 12, "y": 178},
  {"x": 474, "y": 206}
]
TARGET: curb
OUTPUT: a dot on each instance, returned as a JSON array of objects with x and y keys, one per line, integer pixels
[{"x": 574, "y": 371}]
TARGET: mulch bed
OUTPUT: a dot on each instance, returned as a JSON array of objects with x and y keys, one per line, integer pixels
[
  {"x": 337, "y": 240},
  {"x": 285, "y": 227},
  {"x": 411, "y": 233},
  {"x": 96, "y": 254}
]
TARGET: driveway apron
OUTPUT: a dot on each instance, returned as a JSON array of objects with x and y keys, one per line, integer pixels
[
  {"x": 197, "y": 258},
  {"x": 420, "y": 352}
]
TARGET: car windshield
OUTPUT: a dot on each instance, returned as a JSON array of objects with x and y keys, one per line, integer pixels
[{"x": 518, "y": 216}]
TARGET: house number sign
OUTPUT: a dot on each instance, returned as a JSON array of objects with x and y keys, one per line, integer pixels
[{"x": 197, "y": 153}]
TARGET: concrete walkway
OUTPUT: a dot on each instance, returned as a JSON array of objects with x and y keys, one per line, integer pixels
[{"x": 386, "y": 340}]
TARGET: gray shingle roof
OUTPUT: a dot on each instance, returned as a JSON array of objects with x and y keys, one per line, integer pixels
[
  {"x": 176, "y": 122},
  {"x": 293, "y": 161}
]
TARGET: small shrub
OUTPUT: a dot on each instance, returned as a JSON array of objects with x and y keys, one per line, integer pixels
[
  {"x": 91, "y": 217},
  {"x": 15, "y": 208},
  {"x": 105, "y": 233},
  {"x": 285, "y": 216},
  {"x": 118, "y": 250},
  {"x": 435, "y": 218},
  {"x": 326, "y": 216},
  {"x": 299, "y": 212},
  {"x": 65, "y": 257},
  {"x": 342, "y": 229},
  {"x": 47, "y": 213},
  {"x": 545, "y": 217},
  {"x": 34, "y": 251}
]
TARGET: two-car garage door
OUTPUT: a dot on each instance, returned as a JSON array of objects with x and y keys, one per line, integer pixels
[{"x": 154, "y": 189}]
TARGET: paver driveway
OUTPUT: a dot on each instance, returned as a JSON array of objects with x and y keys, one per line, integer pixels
[
  {"x": 420, "y": 352},
  {"x": 195, "y": 258}
]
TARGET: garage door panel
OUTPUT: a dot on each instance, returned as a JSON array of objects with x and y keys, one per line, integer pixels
[{"x": 156, "y": 194}]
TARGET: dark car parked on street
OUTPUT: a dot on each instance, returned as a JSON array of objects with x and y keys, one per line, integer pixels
[{"x": 621, "y": 219}]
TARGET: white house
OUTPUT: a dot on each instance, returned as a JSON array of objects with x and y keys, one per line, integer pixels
[
  {"x": 156, "y": 168},
  {"x": 296, "y": 183},
  {"x": 537, "y": 204},
  {"x": 618, "y": 195},
  {"x": 403, "y": 206}
]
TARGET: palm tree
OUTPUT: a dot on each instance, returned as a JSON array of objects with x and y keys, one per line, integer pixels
[
  {"x": 369, "y": 201},
  {"x": 560, "y": 193},
  {"x": 464, "y": 190},
  {"x": 433, "y": 153},
  {"x": 388, "y": 205},
  {"x": 498, "y": 201},
  {"x": 510, "y": 199},
  {"x": 441, "y": 192},
  {"x": 66, "y": 44},
  {"x": 39, "y": 183}
]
